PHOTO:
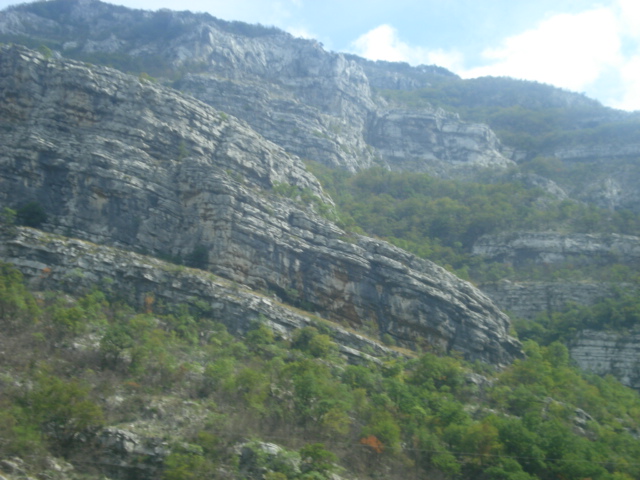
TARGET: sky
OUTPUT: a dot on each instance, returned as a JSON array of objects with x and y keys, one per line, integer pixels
[{"x": 586, "y": 46}]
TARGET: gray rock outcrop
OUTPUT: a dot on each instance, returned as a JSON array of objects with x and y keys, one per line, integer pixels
[
  {"x": 118, "y": 161},
  {"x": 436, "y": 142},
  {"x": 528, "y": 299},
  {"x": 607, "y": 353},
  {"x": 315, "y": 104},
  {"x": 553, "y": 248}
]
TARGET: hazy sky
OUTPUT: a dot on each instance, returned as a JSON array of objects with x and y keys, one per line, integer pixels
[{"x": 580, "y": 45}]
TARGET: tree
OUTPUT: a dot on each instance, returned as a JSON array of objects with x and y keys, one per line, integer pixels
[
  {"x": 62, "y": 408},
  {"x": 114, "y": 342}
]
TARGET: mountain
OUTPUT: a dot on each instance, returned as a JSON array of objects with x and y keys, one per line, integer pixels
[
  {"x": 313, "y": 103},
  {"x": 122, "y": 162},
  {"x": 348, "y": 112},
  {"x": 172, "y": 177}
]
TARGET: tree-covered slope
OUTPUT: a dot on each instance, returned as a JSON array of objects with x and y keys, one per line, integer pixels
[
  {"x": 165, "y": 392},
  {"x": 443, "y": 219}
]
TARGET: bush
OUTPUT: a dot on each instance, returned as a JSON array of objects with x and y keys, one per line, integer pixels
[
  {"x": 309, "y": 340},
  {"x": 62, "y": 408},
  {"x": 32, "y": 215},
  {"x": 17, "y": 305}
]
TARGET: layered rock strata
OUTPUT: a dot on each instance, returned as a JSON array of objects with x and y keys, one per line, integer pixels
[
  {"x": 529, "y": 299},
  {"x": 50, "y": 261},
  {"x": 607, "y": 353},
  {"x": 315, "y": 104},
  {"x": 520, "y": 248},
  {"x": 115, "y": 160}
]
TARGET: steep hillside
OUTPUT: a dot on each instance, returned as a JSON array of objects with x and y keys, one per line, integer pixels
[
  {"x": 232, "y": 237},
  {"x": 313, "y": 103},
  {"x": 116, "y": 160},
  {"x": 93, "y": 387},
  {"x": 589, "y": 150}
]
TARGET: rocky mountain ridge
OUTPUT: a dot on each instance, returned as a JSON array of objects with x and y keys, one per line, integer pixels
[
  {"x": 314, "y": 103},
  {"x": 325, "y": 106},
  {"x": 118, "y": 161}
]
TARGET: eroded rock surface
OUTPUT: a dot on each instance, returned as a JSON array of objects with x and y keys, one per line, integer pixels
[
  {"x": 118, "y": 161},
  {"x": 554, "y": 248},
  {"x": 608, "y": 353},
  {"x": 316, "y": 104}
]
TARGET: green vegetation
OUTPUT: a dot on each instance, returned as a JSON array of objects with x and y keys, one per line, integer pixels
[
  {"x": 526, "y": 115},
  {"x": 404, "y": 418},
  {"x": 304, "y": 197},
  {"x": 620, "y": 313},
  {"x": 441, "y": 219}
]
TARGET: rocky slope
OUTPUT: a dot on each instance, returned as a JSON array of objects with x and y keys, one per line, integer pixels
[
  {"x": 609, "y": 353},
  {"x": 50, "y": 261},
  {"x": 115, "y": 160},
  {"x": 313, "y": 103},
  {"x": 554, "y": 248}
]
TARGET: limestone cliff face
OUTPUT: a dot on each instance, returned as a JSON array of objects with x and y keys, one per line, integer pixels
[
  {"x": 609, "y": 353},
  {"x": 434, "y": 141},
  {"x": 551, "y": 248},
  {"x": 528, "y": 299},
  {"x": 313, "y": 103},
  {"x": 122, "y": 162}
]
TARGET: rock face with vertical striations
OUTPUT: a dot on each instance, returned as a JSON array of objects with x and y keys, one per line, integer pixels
[{"x": 116, "y": 160}]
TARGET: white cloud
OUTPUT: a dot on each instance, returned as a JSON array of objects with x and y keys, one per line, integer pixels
[
  {"x": 568, "y": 51},
  {"x": 630, "y": 74},
  {"x": 300, "y": 32},
  {"x": 595, "y": 51},
  {"x": 383, "y": 43},
  {"x": 451, "y": 60},
  {"x": 629, "y": 15}
]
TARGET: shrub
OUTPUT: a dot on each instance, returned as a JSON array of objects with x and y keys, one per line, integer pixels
[{"x": 32, "y": 215}]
